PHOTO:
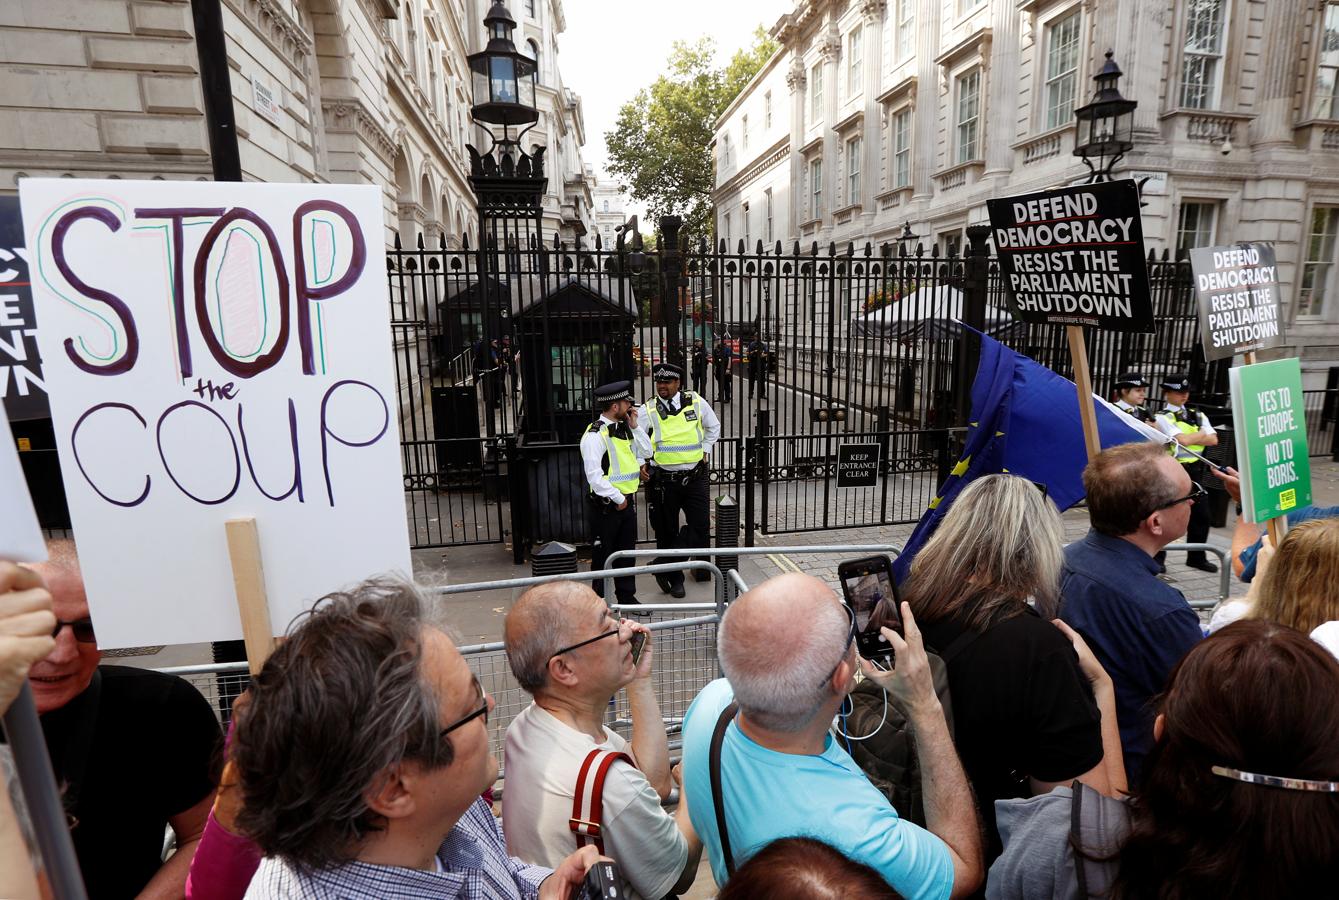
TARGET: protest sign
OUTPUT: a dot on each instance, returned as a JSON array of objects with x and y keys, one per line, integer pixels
[
  {"x": 20, "y": 535},
  {"x": 21, "y": 386},
  {"x": 1238, "y": 295},
  {"x": 1271, "y": 438},
  {"x": 1075, "y": 256},
  {"x": 857, "y": 465},
  {"x": 217, "y": 352}
]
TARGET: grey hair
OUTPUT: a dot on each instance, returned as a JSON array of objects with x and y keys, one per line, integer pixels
[
  {"x": 336, "y": 706},
  {"x": 999, "y": 545},
  {"x": 781, "y": 685},
  {"x": 538, "y": 626}
]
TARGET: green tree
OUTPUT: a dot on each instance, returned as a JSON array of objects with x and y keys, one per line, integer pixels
[{"x": 661, "y": 145}]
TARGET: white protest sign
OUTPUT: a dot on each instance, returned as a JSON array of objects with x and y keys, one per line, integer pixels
[
  {"x": 1238, "y": 290},
  {"x": 217, "y": 351},
  {"x": 20, "y": 534}
]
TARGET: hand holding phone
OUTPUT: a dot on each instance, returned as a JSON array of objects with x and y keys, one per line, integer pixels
[{"x": 871, "y": 593}]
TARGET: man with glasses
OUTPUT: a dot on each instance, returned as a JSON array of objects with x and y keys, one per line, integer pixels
[
  {"x": 134, "y": 750},
  {"x": 1138, "y": 626},
  {"x": 787, "y": 650},
  {"x": 361, "y": 758},
  {"x": 573, "y": 656},
  {"x": 1190, "y": 429}
]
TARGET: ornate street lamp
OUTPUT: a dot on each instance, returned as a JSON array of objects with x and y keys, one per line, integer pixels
[
  {"x": 504, "y": 79},
  {"x": 1106, "y": 125}
]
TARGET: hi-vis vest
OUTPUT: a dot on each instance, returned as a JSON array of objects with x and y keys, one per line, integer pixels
[
  {"x": 620, "y": 463},
  {"x": 677, "y": 439},
  {"x": 1186, "y": 428}
]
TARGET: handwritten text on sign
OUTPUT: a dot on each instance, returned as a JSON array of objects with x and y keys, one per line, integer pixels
[
  {"x": 1239, "y": 298},
  {"x": 216, "y": 351},
  {"x": 1075, "y": 256}
]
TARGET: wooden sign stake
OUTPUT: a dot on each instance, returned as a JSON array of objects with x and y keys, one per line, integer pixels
[
  {"x": 249, "y": 579},
  {"x": 1078, "y": 353}
]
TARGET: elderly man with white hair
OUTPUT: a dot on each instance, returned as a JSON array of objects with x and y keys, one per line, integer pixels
[{"x": 787, "y": 649}]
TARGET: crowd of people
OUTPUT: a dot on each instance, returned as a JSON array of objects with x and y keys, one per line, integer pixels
[{"x": 1055, "y": 724}]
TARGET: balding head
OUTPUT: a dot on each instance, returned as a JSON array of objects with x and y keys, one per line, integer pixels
[
  {"x": 542, "y": 622},
  {"x": 778, "y": 645}
]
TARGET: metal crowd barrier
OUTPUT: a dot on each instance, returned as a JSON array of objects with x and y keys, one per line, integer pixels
[{"x": 1224, "y": 572}]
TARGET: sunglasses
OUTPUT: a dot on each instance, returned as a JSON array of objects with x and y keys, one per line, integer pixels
[
  {"x": 1196, "y": 493},
  {"x": 82, "y": 628},
  {"x": 846, "y": 648},
  {"x": 481, "y": 711}
]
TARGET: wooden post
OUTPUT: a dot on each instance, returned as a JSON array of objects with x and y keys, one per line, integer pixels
[
  {"x": 249, "y": 579},
  {"x": 1078, "y": 353}
]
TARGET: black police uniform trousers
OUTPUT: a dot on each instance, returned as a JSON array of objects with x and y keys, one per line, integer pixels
[
  {"x": 1197, "y": 529},
  {"x": 723, "y": 384},
  {"x": 614, "y": 529},
  {"x": 670, "y": 493}
]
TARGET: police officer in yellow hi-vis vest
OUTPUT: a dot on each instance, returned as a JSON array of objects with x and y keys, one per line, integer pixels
[
  {"x": 612, "y": 450},
  {"x": 1191, "y": 430},
  {"x": 682, "y": 428}
]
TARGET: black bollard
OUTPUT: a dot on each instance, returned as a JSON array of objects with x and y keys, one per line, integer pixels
[
  {"x": 554, "y": 558},
  {"x": 727, "y": 530}
]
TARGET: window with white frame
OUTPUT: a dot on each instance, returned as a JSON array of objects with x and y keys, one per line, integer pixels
[
  {"x": 853, "y": 170},
  {"x": 725, "y": 230},
  {"x": 1062, "y": 70},
  {"x": 725, "y": 150},
  {"x": 530, "y": 8},
  {"x": 965, "y": 6},
  {"x": 1202, "y": 53},
  {"x": 816, "y": 93},
  {"x": 968, "y": 118},
  {"x": 744, "y": 127},
  {"x": 1195, "y": 228},
  {"x": 854, "y": 62},
  {"x": 906, "y": 29},
  {"x": 767, "y": 110},
  {"x": 534, "y": 54},
  {"x": 767, "y": 209},
  {"x": 1320, "y": 270},
  {"x": 748, "y": 236},
  {"x": 1327, "y": 66},
  {"x": 815, "y": 188},
  {"x": 902, "y": 148}
]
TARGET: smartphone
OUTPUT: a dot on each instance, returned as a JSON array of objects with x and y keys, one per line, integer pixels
[
  {"x": 601, "y": 882},
  {"x": 866, "y": 584},
  {"x": 638, "y": 642}
]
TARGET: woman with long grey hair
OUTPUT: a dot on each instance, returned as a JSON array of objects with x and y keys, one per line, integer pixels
[{"x": 1032, "y": 707}]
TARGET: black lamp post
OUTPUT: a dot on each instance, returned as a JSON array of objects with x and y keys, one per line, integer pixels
[
  {"x": 1106, "y": 125},
  {"x": 504, "y": 79}
]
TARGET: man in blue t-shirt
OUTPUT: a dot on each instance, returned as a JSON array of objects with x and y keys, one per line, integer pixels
[{"x": 788, "y": 654}]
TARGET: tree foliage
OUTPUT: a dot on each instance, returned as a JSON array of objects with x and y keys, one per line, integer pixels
[{"x": 661, "y": 144}]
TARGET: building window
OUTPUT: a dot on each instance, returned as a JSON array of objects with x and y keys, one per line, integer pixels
[
  {"x": 530, "y": 8},
  {"x": 725, "y": 231},
  {"x": 815, "y": 188},
  {"x": 902, "y": 149},
  {"x": 1196, "y": 226},
  {"x": 534, "y": 54},
  {"x": 725, "y": 150},
  {"x": 816, "y": 93},
  {"x": 965, "y": 6},
  {"x": 748, "y": 237},
  {"x": 969, "y": 116},
  {"x": 744, "y": 126},
  {"x": 1320, "y": 271},
  {"x": 606, "y": 206},
  {"x": 853, "y": 63},
  {"x": 906, "y": 28},
  {"x": 951, "y": 242},
  {"x": 767, "y": 110},
  {"x": 767, "y": 197},
  {"x": 1327, "y": 66},
  {"x": 1062, "y": 71},
  {"x": 1202, "y": 54},
  {"x": 853, "y": 171}
]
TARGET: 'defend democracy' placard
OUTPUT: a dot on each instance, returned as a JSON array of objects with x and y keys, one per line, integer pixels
[
  {"x": 217, "y": 351},
  {"x": 1238, "y": 294},
  {"x": 1075, "y": 256}
]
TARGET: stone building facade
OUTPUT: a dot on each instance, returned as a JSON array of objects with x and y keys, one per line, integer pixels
[
  {"x": 609, "y": 210},
  {"x": 880, "y": 113},
  {"x": 351, "y": 91}
]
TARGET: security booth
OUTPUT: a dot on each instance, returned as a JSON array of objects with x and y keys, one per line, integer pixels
[{"x": 575, "y": 335}]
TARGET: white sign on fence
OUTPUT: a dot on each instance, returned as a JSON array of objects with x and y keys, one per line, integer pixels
[{"x": 216, "y": 351}]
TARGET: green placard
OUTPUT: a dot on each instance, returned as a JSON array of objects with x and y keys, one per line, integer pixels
[{"x": 1270, "y": 428}]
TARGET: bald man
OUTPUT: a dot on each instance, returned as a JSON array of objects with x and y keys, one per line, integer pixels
[
  {"x": 573, "y": 655},
  {"x": 787, "y": 649},
  {"x": 135, "y": 750}
]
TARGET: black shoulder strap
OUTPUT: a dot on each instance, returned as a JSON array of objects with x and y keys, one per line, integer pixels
[
  {"x": 1076, "y": 838},
  {"x": 717, "y": 795}
]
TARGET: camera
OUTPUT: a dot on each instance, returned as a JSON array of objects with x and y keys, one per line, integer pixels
[{"x": 601, "y": 882}]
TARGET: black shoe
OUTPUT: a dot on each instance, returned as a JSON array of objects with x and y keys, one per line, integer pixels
[
  {"x": 699, "y": 576},
  {"x": 665, "y": 586},
  {"x": 677, "y": 592},
  {"x": 1203, "y": 565}
]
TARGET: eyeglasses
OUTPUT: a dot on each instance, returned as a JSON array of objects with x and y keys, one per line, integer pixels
[
  {"x": 1196, "y": 493},
  {"x": 82, "y": 628},
  {"x": 846, "y": 648},
  {"x": 599, "y": 637},
  {"x": 481, "y": 711}
]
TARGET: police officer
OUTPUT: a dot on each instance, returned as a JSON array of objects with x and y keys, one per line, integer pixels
[
  {"x": 1131, "y": 392},
  {"x": 699, "y": 367},
  {"x": 722, "y": 359},
  {"x": 681, "y": 428},
  {"x": 1191, "y": 430},
  {"x": 612, "y": 450}
]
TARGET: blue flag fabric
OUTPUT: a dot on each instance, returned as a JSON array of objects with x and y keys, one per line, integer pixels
[{"x": 1025, "y": 421}]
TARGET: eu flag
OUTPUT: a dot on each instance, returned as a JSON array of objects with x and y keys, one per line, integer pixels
[{"x": 1025, "y": 421}]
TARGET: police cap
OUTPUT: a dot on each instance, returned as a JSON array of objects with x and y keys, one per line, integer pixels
[
  {"x": 667, "y": 372},
  {"x": 1178, "y": 382},
  {"x": 1130, "y": 380},
  {"x": 614, "y": 390}
]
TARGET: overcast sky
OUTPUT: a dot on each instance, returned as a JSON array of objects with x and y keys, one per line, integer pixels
[{"x": 610, "y": 51}]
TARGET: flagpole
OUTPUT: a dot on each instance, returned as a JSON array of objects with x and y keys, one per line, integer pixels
[{"x": 1078, "y": 353}]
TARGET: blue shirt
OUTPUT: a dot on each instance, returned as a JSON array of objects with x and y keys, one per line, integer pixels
[
  {"x": 771, "y": 795},
  {"x": 1296, "y": 517},
  {"x": 1137, "y": 626}
]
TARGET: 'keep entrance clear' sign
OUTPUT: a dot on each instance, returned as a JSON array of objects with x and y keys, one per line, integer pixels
[
  {"x": 1271, "y": 438},
  {"x": 1075, "y": 256},
  {"x": 1239, "y": 298},
  {"x": 857, "y": 465}
]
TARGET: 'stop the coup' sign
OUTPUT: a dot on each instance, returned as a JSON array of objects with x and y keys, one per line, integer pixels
[
  {"x": 215, "y": 351},
  {"x": 1075, "y": 256}
]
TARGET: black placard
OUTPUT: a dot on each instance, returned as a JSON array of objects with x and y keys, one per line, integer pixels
[
  {"x": 1238, "y": 293},
  {"x": 857, "y": 465},
  {"x": 21, "y": 385},
  {"x": 1075, "y": 256}
]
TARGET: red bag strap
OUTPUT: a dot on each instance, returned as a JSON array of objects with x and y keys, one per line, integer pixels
[{"x": 588, "y": 805}]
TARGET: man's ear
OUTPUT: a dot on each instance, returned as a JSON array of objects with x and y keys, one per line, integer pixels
[
  {"x": 561, "y": 672},
  {"x": 1159, "y": 726},
  {"x": 842, "y": 675},
  {"x": 390, "y": 795}
]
